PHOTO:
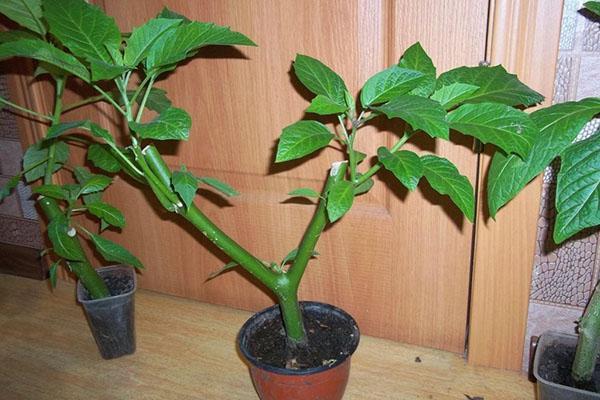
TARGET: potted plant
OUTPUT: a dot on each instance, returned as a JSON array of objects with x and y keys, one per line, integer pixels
[
  {"x": 483, "y": 102},
  {"x": 564, "y": 363}
]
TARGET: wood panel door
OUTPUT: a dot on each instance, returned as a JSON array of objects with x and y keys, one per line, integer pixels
[{"x": 399, "y": 262}]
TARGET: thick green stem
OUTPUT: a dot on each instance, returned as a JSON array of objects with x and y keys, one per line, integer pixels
[
  {"x": 588, "y": 345},
  {"x": 292, "y": 317},
  {"x": 83, "y": 270}
]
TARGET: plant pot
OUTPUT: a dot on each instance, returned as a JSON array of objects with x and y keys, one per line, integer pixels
[
  {"x": 546, "y": 366},
  {"x": 111, "y": 319},
  {"x": 326, "y": 382}
]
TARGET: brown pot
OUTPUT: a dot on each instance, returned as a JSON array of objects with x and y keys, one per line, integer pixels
[{"x": 275, "y": 383}]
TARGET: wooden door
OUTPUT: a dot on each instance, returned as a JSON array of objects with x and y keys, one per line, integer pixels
[{"x": 399, "y": 262}]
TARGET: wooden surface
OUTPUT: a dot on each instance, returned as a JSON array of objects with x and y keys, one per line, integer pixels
[
  {"x": 22, "y": 261},
  {"x": 186, "y": 350},
  {"x": 524, "y": 38}
]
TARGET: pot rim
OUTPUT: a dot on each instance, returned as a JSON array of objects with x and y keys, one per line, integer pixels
[
  {"x": 118, "y": 267},
  {"x": 308, "y": 371}
]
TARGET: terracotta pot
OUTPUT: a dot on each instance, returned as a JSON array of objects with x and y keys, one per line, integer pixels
[{"x": 322, "y": 383}]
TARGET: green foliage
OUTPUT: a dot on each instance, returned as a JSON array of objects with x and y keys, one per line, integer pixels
[
  {"x": 172, "y": 124},
  {"x": 90, "y": 183},
  {"x": 415, "y": 58},
  {"x": 593, "y": 6},
  {"x": 53, "y": 191},
  {"x": 302, "y": 138},
  {"x": 508, "y": 128},
  {"x": 389, "y": 83},
  {"x": 114, "y": 252},
  {"x": 405, "y": 165},
  {"x": 453, "y": 94},
  {"x": 444, "y": 178},
  {"x": 52, "y": 271},
  {"x": 35, "y": 160},
  {"x": 157, "y": 100},
  {"x": 421, "y": 113},
  {"x": 11, "y": 36},
  {"x": 61, "y": 236},
  {"x": 221, "y": 186},
  {"x": 100, "y": 155},
  {"x": 304, "y": 192},
  {"x": 57, "y": 130},
  {"x": 224, "y": 268},
  {"x": 143, "y": 38},
  {"x": 107, "y": 213},
  {"x": 339, "y": 199},
  {"x": 323, "y": 105},
  {"x": 185, "y": 184},
  {"x": 27, "y": 13},
  {"x": 9, "y": 186},
  {"x": 320, "y": 79}
]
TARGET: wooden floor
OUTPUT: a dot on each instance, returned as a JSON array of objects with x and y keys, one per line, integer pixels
[{"x": 186, "y": 350}]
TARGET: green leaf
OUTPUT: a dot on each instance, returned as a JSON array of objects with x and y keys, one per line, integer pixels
[
  {"x": 495, "y": 85},
  {"x": 166, "y": 13},
  {"x": 416, "y": 58},
  {"x": 63, "y": 244},
  {"x": 323, "y": 105},
  {"x": 453, "y": 94},
  {"x": 89, "y": 198},
  {"x": 102, "y": 133},
  {"x": 185, "y": 184},
  {"x": 37, "y": 153},
  {"x": 53, "y": 191},
  {"x": 102, "y": 70},
  {"x": 364, "y": 187},
  {"x": 101, "y": 157},
  {"x": 90, "y": 183},
  {"x": 107, "y": 213},
  {"x": 157, "y": 100},
  {"x": 388, "y": 84},
  {"x": 302, "y": 138},
  {"x": 360, "y": 157},
  {"x": 559, "y": 125},
  {"x": 10, "y": 185},
  {"x": 222, "y": 187},
  {"x": 27, "y": 13},
  {"x": 43, "y": 51},
  {"x": 52, "y": 272},
  {"x": 171, "y": 124},
  {"x": 339, "y": 199},
  {"x": 143, "y": 38},
  {"x": 444, "y": 178},
  {"x": 578, "y": 189},
  {"x": 304, "y": 192},
  {"x": 320, "y": 79},
  {"x": 57, "y": 130},
  {"x": 83, "y": 28},
  {"x": 224, "y": 268},
  {"x": 11, "y": 36},
  {"x": 291, "y": 256},
  {"x": 510, "y": 129},
  {"x": 405, "y": 165},
  {"x": 114, "y": 252},
  {"x": 182, "y": 42},
  {"x": 421, "y": 113},
  {"x": 593, "y": 6}
]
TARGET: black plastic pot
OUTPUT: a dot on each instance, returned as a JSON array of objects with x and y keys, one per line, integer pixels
[
  {"x": 546, "y": 389},
  {"x": 111, "y": 319},
  {"x": 326, "y": 382}
]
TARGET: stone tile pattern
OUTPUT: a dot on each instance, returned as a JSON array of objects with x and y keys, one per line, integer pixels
[
  {"x": 18, "y": 218},
  {"x": 564, "y": 276}
]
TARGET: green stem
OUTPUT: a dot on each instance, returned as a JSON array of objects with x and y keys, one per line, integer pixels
[
  {"x": 588, "y": 345},
  {"x": 144, "y": 99},
  {"x": 140, "y": 88},
  {"x": 25, "y": 110},
  {"x": 60, "y": 88},
  {"x": 109, "y": 99},
  {"x": 292, "y": 317},
  {"x": 78, "y": 104}
]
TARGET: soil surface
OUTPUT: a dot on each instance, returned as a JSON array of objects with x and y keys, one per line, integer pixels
[
  {"x": 117, "y": 284},
  {"x": 330, "y": 340},
  {"x": 556, "y": 367}
]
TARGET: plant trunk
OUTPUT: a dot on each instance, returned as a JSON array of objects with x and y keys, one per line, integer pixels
[{"x": 588, "y": 345}]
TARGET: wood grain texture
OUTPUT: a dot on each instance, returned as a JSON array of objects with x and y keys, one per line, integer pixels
[
  {"x": 22, "y": 261},
  {"x": 186, "y": 350},
  {"x": 524, "y": 38}
]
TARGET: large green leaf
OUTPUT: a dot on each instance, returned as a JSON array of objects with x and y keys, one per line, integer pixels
[
  {"x": 53, "y": 191},
  {"x": 323, "y": 105},
  {"x": 9, "y": 186},
  {"x": 559, "y": 125},
  {"x": 185, "y": 184},
  {"x": 302, "y": 138},
  {"x": 453, "y": 94},
  {"x": 58, "y": 129},
  {"x": 44, "y": 51},
  {"x": 114, "y": 252},
  {"x": 444, "y": 178},
  {"x": 63, "y": 243},
  {"x": 107, "y": 213},
  {"x": 102, "y": 133},
  {"x": 171, "y": 124},
  {"x": 83, "y": 28},
  {"x": 339, "y": 199},
  {"x": 100, "y": 155},
  {"x": 182, "y": 42},
  {"x": 90, "y": 183},
  {"x": 510, "y": 129},
  {"x": 320, "y": 79},
  {"x": 11, "y": 36},
  {"x": 593, "y": 6},
  {"x": 221, "y": 186},
  {"x": 388, "y": 84},
  {"x": 37, "y": 154},
  {"x": 416, "y": 58},
  {"x": 421, "y": 113},
  {"x": 405, "y": 165},
  {"x": 143, "y": 37},
  {"x": 578, "y": 189},
  {"x": 102, "y": 70},
  {"x": 495, "y": 85},
  {"x": 27, "y": 13}
]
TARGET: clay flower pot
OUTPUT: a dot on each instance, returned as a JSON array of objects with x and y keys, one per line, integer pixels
[{"x": 324, "y": 382}]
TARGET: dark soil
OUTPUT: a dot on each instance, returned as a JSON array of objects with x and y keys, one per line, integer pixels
[
  {"x": 330, "y": 339},
  {"x": 556, "y": 367},
  {"x": 117, "y": 284}
]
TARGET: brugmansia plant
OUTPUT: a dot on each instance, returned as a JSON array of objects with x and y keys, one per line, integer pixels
[{"x": 577, "y": 199}]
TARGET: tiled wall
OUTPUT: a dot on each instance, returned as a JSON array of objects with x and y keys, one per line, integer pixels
[
  {"x": 18, "y": 218},
  {"x": 564, "y": 276}
]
